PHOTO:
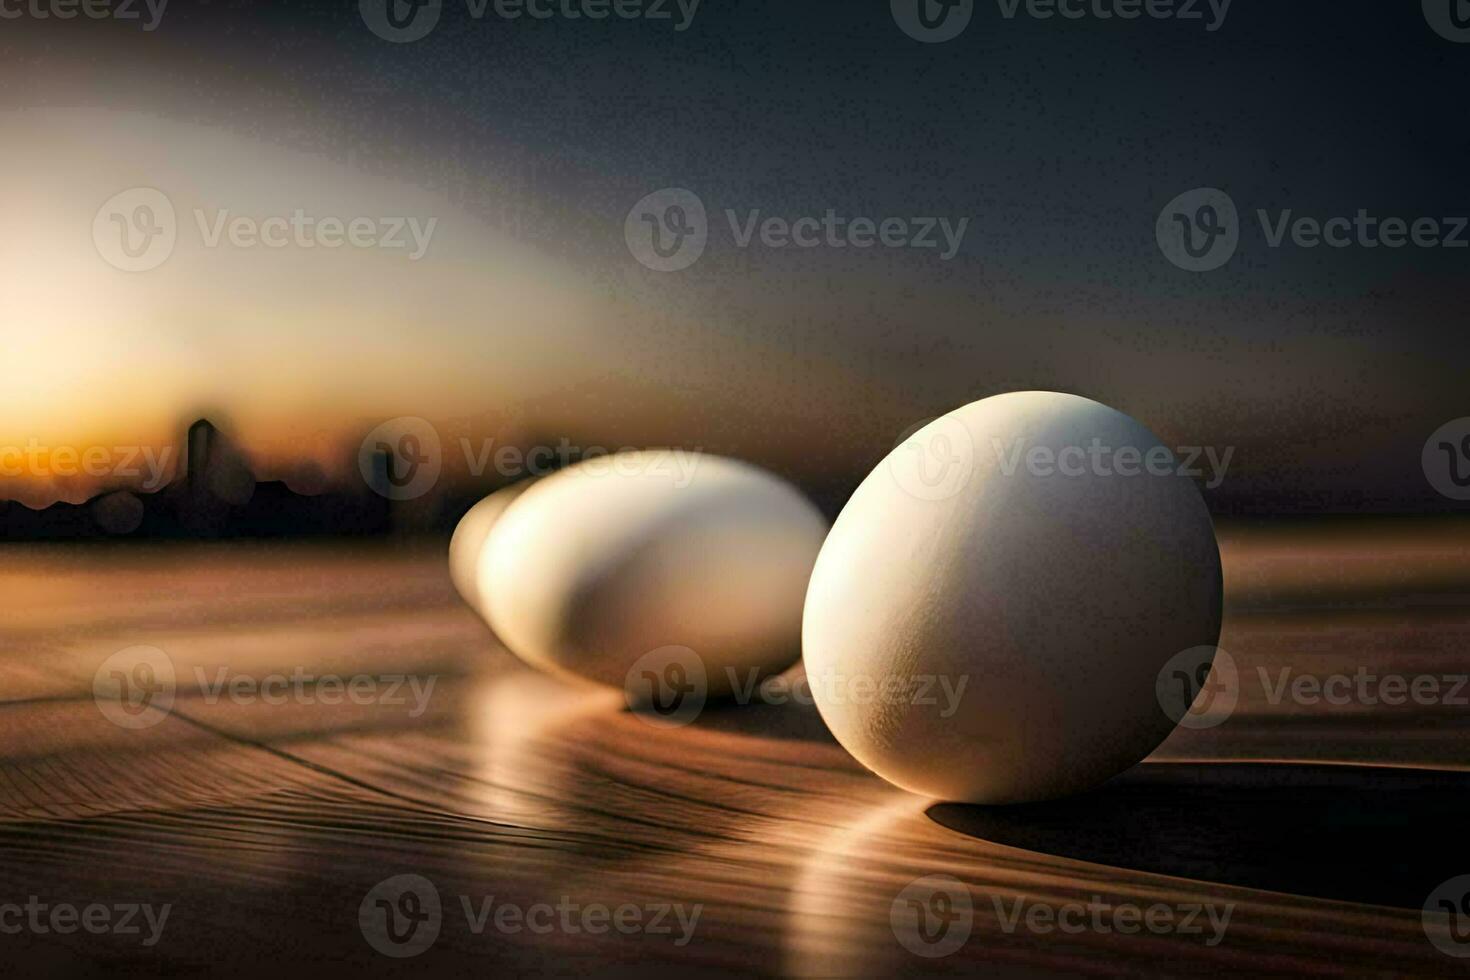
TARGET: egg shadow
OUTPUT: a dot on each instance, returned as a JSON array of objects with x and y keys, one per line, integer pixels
[
  {"x": 1353, "y": 833},
  {"x": 794, "y": 721},
  {"x": 777, "y": 706}
]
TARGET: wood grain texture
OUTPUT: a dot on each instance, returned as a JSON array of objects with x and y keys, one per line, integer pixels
[{"x": 264, "y": 825}]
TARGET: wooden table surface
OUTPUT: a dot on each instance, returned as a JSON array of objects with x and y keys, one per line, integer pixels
[{"x": 264, "y": 827}]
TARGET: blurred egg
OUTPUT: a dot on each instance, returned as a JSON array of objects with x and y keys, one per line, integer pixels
[
  {"x": 989, "y": 616},
  {"x": 620, "y": 557},
  {"x": 469, "y": 539}
]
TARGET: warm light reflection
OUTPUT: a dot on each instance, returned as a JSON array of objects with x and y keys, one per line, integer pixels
[
  {"x": 512, "y": 715},
  {"x": 825, "y": 934}
]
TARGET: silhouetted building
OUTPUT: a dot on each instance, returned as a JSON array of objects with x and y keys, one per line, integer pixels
[
  {"x": 215, "y": 495},
  {"x": 200, "y": 447}
]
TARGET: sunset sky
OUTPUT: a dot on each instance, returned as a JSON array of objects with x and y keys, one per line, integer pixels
[{"x": 1060, "y": 142}]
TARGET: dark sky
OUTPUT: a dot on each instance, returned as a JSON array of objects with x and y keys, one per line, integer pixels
[{"x": 1061, "y": 141}]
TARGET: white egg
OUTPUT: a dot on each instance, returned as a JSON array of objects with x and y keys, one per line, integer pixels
[
  {"x": 990, "y": 613},
  {"x": 610, "y": 560},
  {"x": 469, "y": 539}
]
